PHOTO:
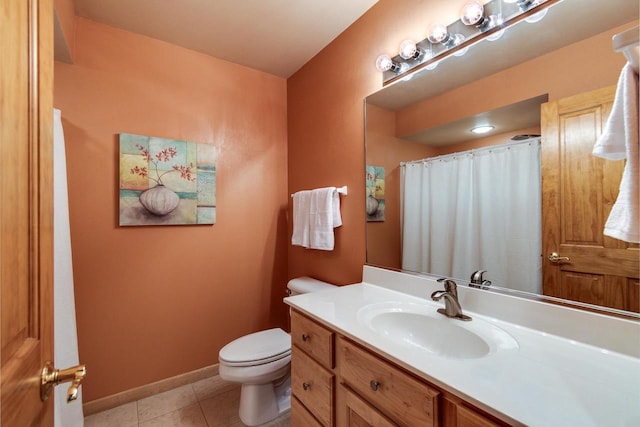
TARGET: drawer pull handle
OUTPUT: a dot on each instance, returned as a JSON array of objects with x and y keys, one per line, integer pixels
[
  {"x": 374, "y": 385},
  {"x": 305, "y": 337},
  {"x": 306, "y": 386}
]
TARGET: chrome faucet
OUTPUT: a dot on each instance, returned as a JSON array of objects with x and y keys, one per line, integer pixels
[
  {"x": 477, "y": 281},
  {"x": 451, "y": 305}
]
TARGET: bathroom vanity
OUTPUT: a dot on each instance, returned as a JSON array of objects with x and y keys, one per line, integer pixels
[{"x": 378, "y": 353}]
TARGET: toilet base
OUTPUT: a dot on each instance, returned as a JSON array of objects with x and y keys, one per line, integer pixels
[{"x": 261, "y": 403}]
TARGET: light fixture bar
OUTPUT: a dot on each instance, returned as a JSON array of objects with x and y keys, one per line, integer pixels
[{"x": 457, "y": 37}]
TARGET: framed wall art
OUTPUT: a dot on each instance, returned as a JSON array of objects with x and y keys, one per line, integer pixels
[{"x": 166, "y": 181}]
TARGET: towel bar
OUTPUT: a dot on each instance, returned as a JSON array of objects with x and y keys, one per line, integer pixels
[{"x": 341, "y": 190}]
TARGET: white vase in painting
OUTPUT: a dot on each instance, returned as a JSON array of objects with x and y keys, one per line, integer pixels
[{"x": 159, "y": 200}]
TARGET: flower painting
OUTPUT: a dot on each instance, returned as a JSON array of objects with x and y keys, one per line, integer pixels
[{"x": 166, "y": 181}]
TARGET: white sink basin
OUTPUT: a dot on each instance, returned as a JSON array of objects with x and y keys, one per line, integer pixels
[{"x": 420, "y": 325}]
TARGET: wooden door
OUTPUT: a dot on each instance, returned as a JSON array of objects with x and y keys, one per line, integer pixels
[
  {"x": 26, "y": 209},
  {"x": 578, "y": 191}
]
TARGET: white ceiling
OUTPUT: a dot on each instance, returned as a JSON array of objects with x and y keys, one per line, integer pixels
[{"x": 275, "y": 36}]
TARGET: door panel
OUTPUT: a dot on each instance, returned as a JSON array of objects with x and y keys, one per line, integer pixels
[
  {"x": 26, "y": 213},
  {"x": 579, "y": 190}
]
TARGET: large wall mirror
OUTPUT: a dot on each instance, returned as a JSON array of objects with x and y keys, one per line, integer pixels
[{"x": 448, "y": 202}]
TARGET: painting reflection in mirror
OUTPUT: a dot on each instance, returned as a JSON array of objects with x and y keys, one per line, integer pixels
[
  {"x": 400, "y": 134},
  {"x": 375, "y": 205}
]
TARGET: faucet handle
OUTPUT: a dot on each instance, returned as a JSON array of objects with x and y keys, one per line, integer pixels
[
  {"x": 476, "y": 276},
  {"x": 477, "y": 280},
  {"x": 449, "y": 285}
]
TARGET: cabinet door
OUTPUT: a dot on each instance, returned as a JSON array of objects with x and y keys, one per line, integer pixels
[
  {"x": 312, "y": 385},
  {"x": 357, "y": 413},
  {"x": 456, "y": 414},
  {"x": 468, "y": 418},
  {"x": 300, "y": 417}
]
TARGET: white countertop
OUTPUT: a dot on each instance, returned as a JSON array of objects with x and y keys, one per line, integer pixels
[{"x": 547, "y": 381}]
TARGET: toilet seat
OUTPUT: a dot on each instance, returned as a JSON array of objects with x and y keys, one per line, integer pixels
[{"x": 256, "y": 349}]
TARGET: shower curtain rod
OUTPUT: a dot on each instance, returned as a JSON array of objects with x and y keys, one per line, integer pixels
[{"x": 473, "y": 151}]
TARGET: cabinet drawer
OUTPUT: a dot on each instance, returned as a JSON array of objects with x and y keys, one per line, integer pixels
[
  {"x": 392, "y": 391},
  {"x": 300, "y": 416},
  {"x": 314, "y": 339},
  {"x": 312, "y": 385}
]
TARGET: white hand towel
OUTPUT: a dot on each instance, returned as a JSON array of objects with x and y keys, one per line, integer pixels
[
  {"x": 301, "y": 206},
  {"x": 324, "y": 216},
  {"x": 620, "y": 140}
]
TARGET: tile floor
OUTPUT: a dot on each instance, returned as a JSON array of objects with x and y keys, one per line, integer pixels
[{"x": 206, "y": 403}]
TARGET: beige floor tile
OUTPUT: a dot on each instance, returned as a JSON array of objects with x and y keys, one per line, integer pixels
[
  {"x": 122, "y": 416},
  {"x": 222, "y": 409},
  {"x": 190, "y": 416},
  {"x": 283, "y": 420},
  {"x": 164, "y": 403},
  {"x": 212, "y": 386}
]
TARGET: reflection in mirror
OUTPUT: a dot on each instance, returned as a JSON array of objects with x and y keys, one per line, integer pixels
[{"x": 564, "y": 60}]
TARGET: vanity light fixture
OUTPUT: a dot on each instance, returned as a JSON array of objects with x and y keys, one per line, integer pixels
[
  {"x": 479, "y": 130},
  {"x": 479, "y": 20}
]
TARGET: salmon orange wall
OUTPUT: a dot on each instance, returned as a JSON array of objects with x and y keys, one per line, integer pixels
[
  {"x": 154, "y": 302},
  {"x": 65, "y": 15}
]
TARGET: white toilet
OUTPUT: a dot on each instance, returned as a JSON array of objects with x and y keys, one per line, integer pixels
[{"x": 261, "y": 362}]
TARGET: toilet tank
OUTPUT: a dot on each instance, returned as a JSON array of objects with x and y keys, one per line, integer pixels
[{"x": 304, "y": 284}]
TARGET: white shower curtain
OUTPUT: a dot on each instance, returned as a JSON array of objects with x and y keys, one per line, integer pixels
[
  {"x": 476, "y": 210},
  {"x": 65, "y": 337}
]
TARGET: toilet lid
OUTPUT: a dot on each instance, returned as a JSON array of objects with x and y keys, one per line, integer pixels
[{"x": 257, "y": 348}]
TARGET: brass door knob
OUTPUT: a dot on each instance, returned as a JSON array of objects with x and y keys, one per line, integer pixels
[
  {"x": 52, "y": 377},
  {"x": 557, "y": 259}
]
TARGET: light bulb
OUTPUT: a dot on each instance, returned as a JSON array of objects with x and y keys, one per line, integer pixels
[
  {"x": 384, "y": 63},
  {"x": 438, "y": 33},
  {"x": 409, "y": 50},
  {"x": 482, "y": 129},
  {"x": 473, "y": 13}
]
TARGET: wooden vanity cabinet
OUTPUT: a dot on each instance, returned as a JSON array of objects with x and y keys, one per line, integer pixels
[
  {"x": 335, "y": 381},
  {"x": 312, "y": 376}
]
